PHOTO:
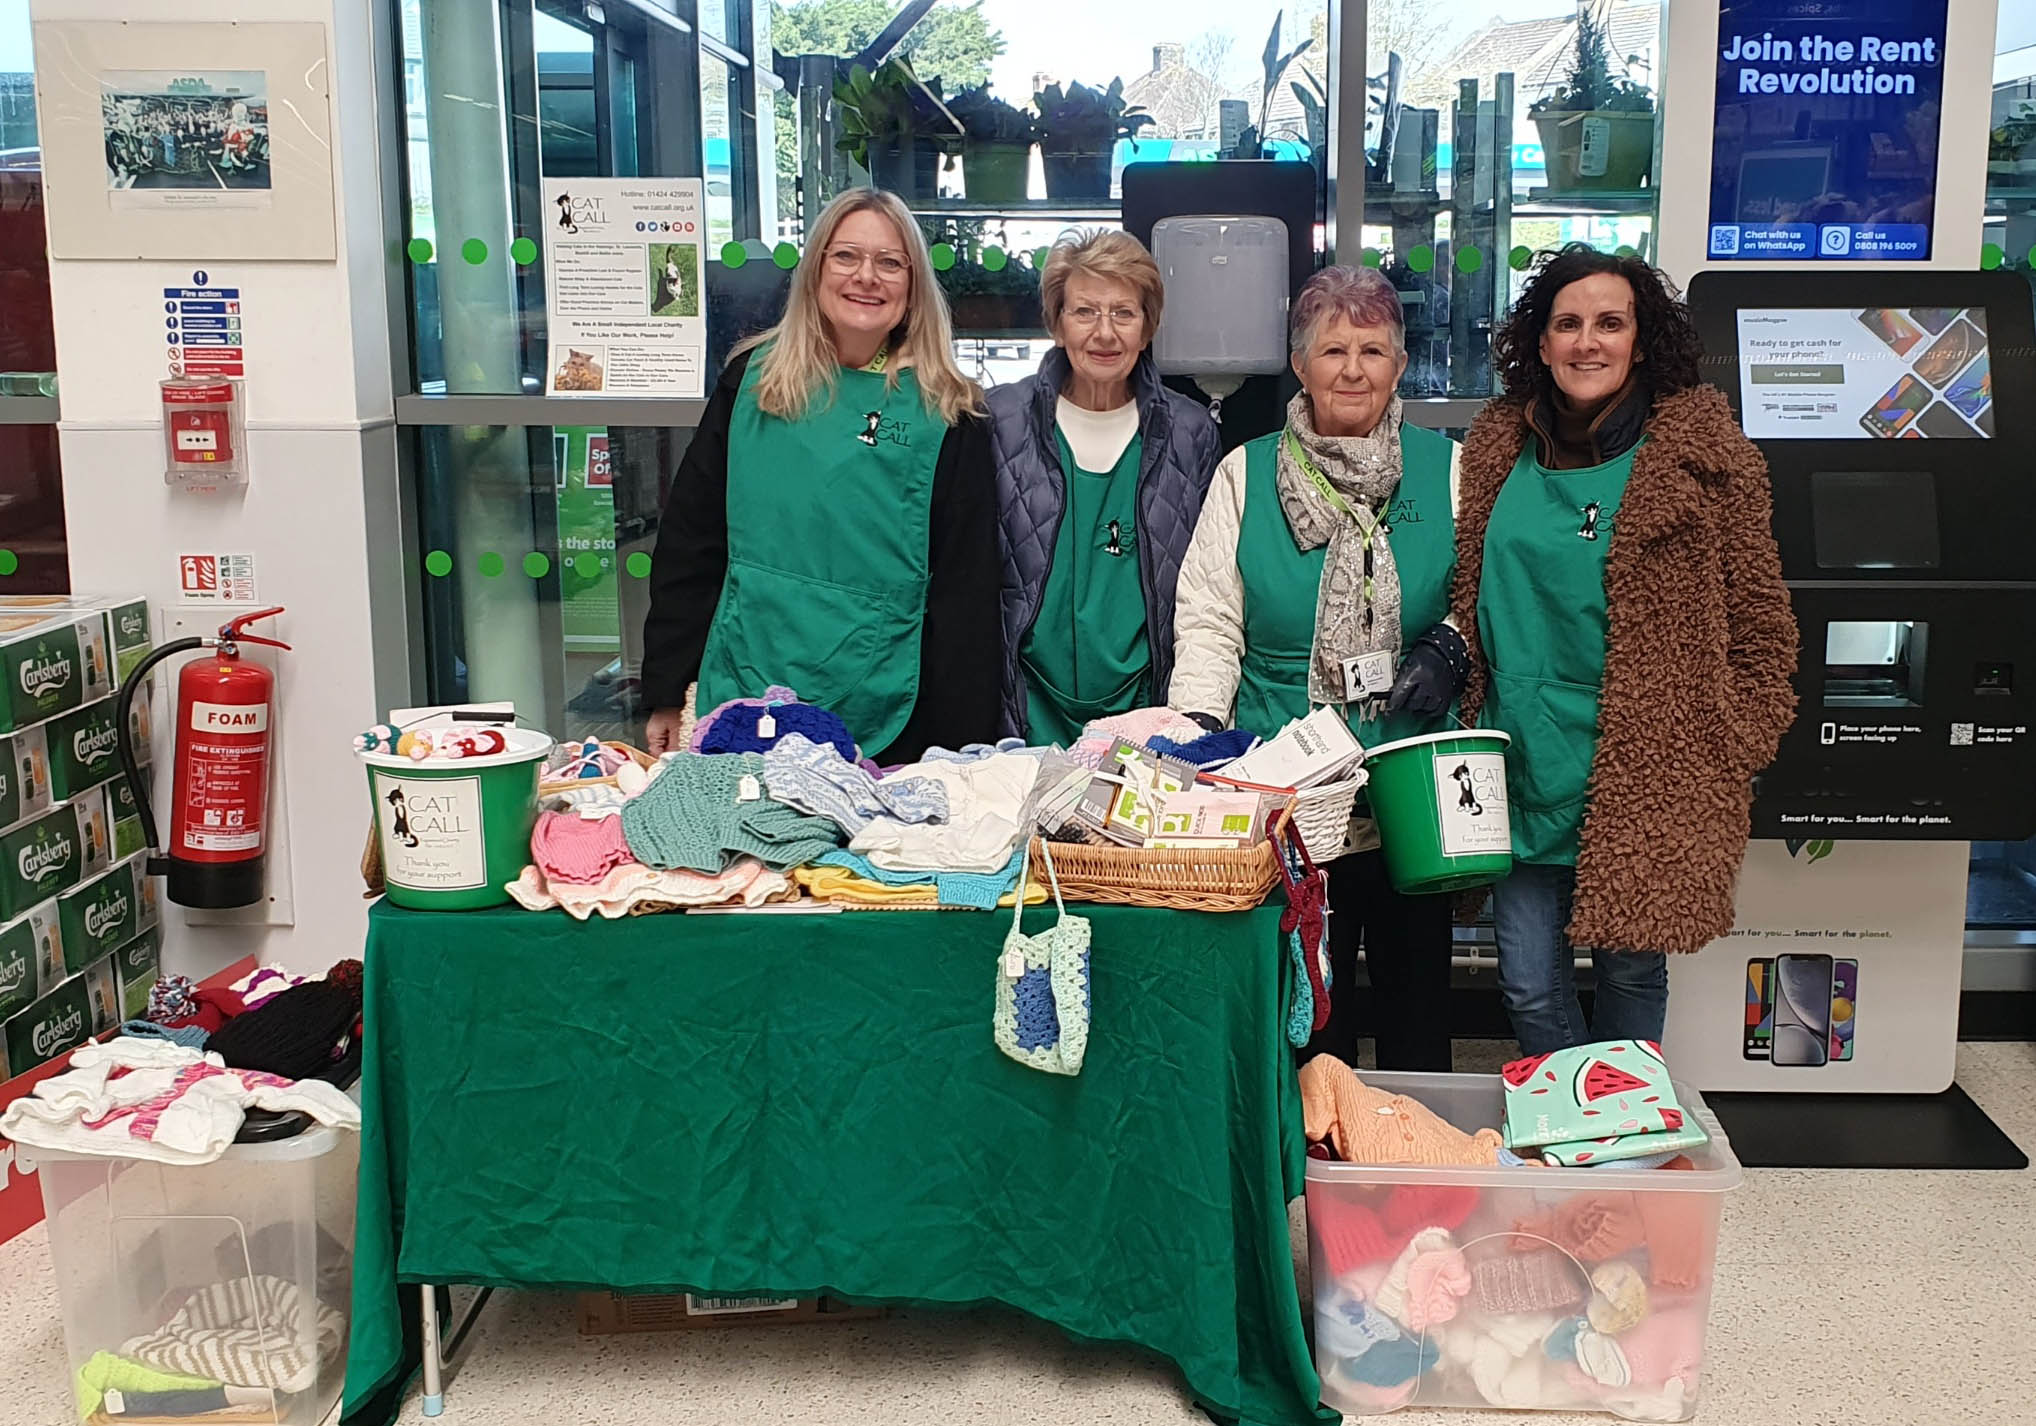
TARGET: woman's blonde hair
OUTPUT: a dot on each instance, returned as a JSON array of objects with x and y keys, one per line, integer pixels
[
  {"x": 800, "y": 360},
  {"x": 1106, "y": 255}
]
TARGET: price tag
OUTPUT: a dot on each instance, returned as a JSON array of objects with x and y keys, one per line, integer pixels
[
  {"x": 1367, "y": 675},
  {"x": 766, "y": 726},
  {"x": 1014, "y": 963},
  {"x": 748, "y": 790}
]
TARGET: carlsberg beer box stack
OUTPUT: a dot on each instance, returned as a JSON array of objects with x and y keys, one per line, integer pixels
[
  {"x": 99, "y": 916},
  {"x": 49, "y": 854},
  {"x": 136, "y": 966},
  {"x": 37, "y": 936},
  {"x": 123, "y": 618},
  {"x": 58, "y": 1021},
  {"x": 24, "y": 776},
  {"x": 83, "y": 746},
  {"x": 53, "y": 659}
]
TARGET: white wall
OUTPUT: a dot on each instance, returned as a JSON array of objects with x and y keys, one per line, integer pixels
[{"x": 319, "y": 513}]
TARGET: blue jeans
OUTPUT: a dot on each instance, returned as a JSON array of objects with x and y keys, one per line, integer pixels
[{"x": 1537, "y": 980}]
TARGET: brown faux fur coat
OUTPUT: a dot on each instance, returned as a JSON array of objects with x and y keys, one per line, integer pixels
[{"x": 1701, "y": 646}]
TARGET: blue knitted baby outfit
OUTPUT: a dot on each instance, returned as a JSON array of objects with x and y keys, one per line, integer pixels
[
  {"x": 694, "y": 815},
  {"x": 738, "y": 728}
]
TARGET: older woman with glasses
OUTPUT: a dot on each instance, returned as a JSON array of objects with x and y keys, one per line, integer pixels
[
  {"x": 832, "y": 527},
  {"x": 1100, "y": 475},
  {"x": 1319, "y": 575}
]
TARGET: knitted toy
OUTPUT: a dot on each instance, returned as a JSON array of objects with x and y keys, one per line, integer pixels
[
  {"x": 379, "y": 739},
  {"x": 1368, "y": 1126},
  {"x": 1618, "y": 1297},
  {"x": 477, "y": 743}
]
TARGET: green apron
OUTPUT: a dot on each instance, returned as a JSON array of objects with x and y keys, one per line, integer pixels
[
  {"x": 1087, "y": 655},
  {"x": 1282, "y": 584},
  {"x": 828, "y": 526},
  {"x": 1541, "y": 615}
]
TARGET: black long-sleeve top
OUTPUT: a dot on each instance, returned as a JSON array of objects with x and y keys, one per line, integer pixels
[{"x": 960, "y": 639}]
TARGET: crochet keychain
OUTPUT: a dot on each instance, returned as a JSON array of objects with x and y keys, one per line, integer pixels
[
  {"x": 1042, "y": 1015},
  {"x": 1305, "y": 923}
]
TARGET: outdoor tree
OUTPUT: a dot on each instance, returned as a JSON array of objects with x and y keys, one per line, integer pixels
[
  {"x": 953, "y": 42},
  {"x": 1209, "y": 57}
]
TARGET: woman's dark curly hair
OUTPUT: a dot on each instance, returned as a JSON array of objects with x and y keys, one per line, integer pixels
[{"x": 1667, "y": 345}]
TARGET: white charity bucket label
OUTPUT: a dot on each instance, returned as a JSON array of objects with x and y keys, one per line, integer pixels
[{"x": 1470, "y": 795}]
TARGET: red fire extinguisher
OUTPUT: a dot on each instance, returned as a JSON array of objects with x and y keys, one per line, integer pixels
[{"x": 221, "y": 779}]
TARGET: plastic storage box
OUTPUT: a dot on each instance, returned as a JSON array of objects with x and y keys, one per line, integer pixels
[
  {"x": 1518, "y": 1288},
  {"x": 238, "y": 1272}
]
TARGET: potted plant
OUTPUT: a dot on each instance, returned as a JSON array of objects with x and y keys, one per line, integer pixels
[
  {"x": 1252, "y": 141},
  {"x": 893, "y": 124},
  {"x": 2011, "y": 146},
  {"x": 996, "y": 146},
  {"x": 1597, "y": 132},
  {"x": 1078, "y": 131}
]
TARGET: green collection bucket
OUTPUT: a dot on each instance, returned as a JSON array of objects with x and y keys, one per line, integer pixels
[
  {"x": 454, "y": 833},
  {"x": 1440, "y": 801}
]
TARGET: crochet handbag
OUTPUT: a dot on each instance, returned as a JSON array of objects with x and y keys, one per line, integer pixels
[
  {"x": 1042, "y": 1017},
  {"x": 1305, "y": 923}
]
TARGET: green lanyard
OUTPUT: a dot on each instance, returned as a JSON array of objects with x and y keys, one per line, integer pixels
[{"x": 1367, "y": 527}]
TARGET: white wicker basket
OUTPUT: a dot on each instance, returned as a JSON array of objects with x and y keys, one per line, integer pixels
[{"x": 1323, "y": 816}]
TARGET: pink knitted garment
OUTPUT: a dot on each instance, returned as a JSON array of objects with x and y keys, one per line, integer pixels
[{"x": 568, "y": 847}]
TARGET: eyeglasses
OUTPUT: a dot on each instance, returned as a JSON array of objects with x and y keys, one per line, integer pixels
[
  {"x": 848, "y": 261},
  {"x": 1089, "y": 318}
]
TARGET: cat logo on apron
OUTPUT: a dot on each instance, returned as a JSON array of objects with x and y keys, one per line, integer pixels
[{"x": 1589, "y": 531}]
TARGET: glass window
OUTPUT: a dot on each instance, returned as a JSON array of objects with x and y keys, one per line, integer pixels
[{"x": 33, "y": 553}]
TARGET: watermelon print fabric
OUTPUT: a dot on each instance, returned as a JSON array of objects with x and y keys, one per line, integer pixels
[{"x": 1598, "y": 1103}]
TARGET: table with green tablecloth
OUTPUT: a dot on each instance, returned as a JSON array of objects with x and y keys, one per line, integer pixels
[{"x": 806, "y": 1104}]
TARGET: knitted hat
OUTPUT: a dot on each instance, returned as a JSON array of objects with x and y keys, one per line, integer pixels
[
  {"x": 1350, "y": 1233},
  {"x": 295, "y": 1034},
  {"x": 1425, "y": 1282},
  {"x": 1544, "y": 1281},
  {"x": 1618, "y": 1297},
  {"x": 776, "y": 693},
  {"x": 1594, "y": 1226},
  {"x": 1416, "y": 1205}
]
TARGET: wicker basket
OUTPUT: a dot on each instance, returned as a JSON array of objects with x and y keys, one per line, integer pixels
[
  {"x": 1323, "y": 816},
  {"x": 636, "y": 755},
  {"x": 1183, "y": 880}
]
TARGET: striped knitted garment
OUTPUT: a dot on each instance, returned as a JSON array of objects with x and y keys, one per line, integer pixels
[
  {"x": 694, "y": 815},
  {"x": 245, "y": 1332}
]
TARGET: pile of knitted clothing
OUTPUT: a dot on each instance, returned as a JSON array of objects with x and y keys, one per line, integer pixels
[
  {"x": 1497, "y": 1282},
  {"x": 271, "y": 1019}
]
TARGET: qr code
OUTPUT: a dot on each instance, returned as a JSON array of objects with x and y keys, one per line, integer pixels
[{"x": 1961, "y": 735}]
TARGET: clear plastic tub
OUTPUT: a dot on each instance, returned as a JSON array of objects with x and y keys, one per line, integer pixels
[
  {"x": 237, "y": 1272},
  {"x": 1515, "y": 1288}
]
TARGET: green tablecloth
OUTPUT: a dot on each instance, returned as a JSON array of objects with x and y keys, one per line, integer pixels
[{"x": 805, "y": 1104}]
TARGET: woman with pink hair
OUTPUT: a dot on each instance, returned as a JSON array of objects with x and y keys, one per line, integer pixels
[{"x": 1319, "y": 574}]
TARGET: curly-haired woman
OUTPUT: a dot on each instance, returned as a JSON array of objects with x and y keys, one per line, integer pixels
[{"x": 1619, "y": 587}]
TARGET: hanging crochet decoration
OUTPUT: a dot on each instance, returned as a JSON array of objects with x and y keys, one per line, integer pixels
[
  {"x": 1306, "y": 924},
  {"x": 1042, "y": 1014}
]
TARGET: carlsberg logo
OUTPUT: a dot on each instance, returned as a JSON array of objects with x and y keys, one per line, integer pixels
[
  {"x": 51, "y": 1033},
  {"x": 131, "y": 625},
  {"x": 90, "y": 745},
  {"x": 106, "y": 916},
  {"x": 43, "y": 858},
  {"x": 45, "y": 673},
  {"x": 12, "y": 974}
]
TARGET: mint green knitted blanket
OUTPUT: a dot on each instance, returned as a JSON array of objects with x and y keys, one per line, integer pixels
[{"x": 703, "y": 810}]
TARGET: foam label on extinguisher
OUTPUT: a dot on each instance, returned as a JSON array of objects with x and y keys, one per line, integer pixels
[
  {"x": 229, "y": 717},
  {"x": 431, "y": 832}
]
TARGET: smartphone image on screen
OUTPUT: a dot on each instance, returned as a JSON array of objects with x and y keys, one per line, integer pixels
[
  {"x": 1896, "y": 409},
  {"x": 1973, "y": 391},
  {"x": 1802, "y": 1010},
  {"x": 1941, "y": 423},
  {"x": 1951, "y": 352},
  {"x": 1844, "y": 1007},
  {"x": 1933, "y": 319},
  {"x": 1893, "y": 328},
  {"x": 1759, "y": 1008}
]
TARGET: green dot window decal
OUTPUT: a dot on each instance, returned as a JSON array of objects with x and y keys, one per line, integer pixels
[
  {"x": 1469, "y": 259},
  {"x": 419, "y": 250},
  {"x": 995, "y": 259},
  {"x": 9, "y": 562},
  {"x": 1039, "y": 256},
  {"x": 1625, "y": 250},
  {"x": 474, "y": 251},
  {"x": 536, "y": 565},
  {"x": 1371, "y": 257},
  {"x": 438, "y": 562},
  {"x": 1990, "y": 256},
  {"x": 523, "y": 252},
  {"x": 638, "y": 564},
  {"x": 1520, "y": 257},
  {"x": 734, "y": 254},
  {"x": 489, "y": 564},
  {"x": 943, "y": 257},
  {"x": 1421, "y": 258},
  {"x": 785, "y": 256},
  {"x": 587, "y": 564}
]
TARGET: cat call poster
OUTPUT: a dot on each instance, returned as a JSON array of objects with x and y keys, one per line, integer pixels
[{"x": 625, "y": 294}]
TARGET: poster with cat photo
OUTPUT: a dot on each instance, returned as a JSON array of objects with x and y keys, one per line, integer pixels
[{"x": 625, "y": 287}]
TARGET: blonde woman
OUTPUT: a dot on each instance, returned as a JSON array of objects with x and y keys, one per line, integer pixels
[
  {"x": 1100, "y": 475},
  {"x": 832, "y": 527}
]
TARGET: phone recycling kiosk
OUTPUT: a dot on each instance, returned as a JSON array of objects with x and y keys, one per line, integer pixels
[{"x": 1904, "y": 501}]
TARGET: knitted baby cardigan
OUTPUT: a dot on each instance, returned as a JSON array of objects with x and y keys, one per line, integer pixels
[{"x": 694, "y": 815}]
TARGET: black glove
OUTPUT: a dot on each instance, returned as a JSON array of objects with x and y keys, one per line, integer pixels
[
  {"x": 1431, "y": 674},
  {"x": 1209, "y": 721}
]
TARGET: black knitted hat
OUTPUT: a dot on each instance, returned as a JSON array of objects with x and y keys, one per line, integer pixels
[{"x": 294, "y": 1033}]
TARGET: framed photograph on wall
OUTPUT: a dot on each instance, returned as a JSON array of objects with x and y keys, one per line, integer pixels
[{"x": 198, "y": 141}]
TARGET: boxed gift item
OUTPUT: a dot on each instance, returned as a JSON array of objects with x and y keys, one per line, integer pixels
[
  {"x": 34, "y": 934},
  {"x": 84, "y": 744},
  {"x": 106, "y": 912},
  {"x": 48, "y": 855},
  {"x": 56, "y": 1022},
  {"x": 24, "y": 776},
  {"x": 137, "y": 965},
  {"x": 51, "y": 660}
]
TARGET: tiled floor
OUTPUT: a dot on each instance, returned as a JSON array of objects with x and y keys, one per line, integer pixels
[{"x": 1842, "y": 1298}]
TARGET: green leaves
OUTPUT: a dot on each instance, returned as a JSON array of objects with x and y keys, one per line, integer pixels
[{"x": 1084, "y": 120}]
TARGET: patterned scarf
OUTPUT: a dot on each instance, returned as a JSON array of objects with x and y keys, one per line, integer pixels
[{"x": 1353, "y": 615}]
